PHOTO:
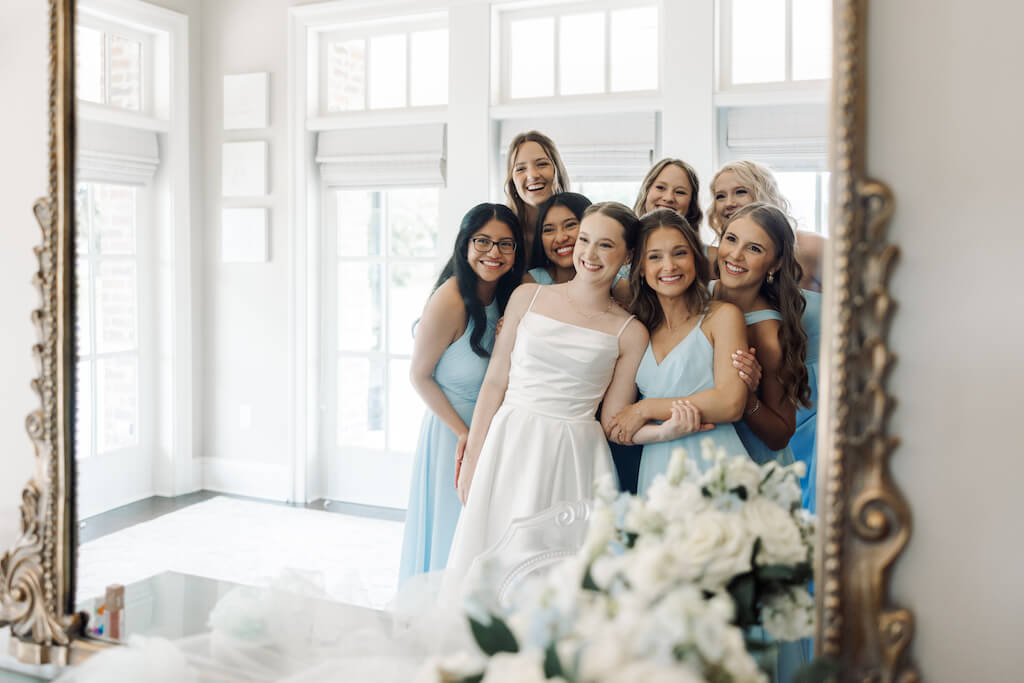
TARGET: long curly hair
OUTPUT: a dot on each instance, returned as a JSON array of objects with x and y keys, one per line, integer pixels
[
  {"x": 784, "y": 295},
  {"x": 547, "y": 144},
  {"x": 644, "y": 302},
  {"x": 759, "y": 181},
  {"x": 693, "y": 214},
  {"x": 467, "y": 279},
  {"x": 575, "y": 202}
]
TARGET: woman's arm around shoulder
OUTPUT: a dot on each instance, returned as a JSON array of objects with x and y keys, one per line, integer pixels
[
  {"x": 727, "y": 330},
  {"x": 770, "y": 415},
  {"x": 622, "y": 390}
]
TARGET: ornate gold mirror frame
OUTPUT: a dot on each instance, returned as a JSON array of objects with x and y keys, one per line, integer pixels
[{"x": 864, "y": 522}]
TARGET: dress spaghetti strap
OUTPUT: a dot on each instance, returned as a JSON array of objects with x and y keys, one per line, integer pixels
[
  {"x": 535, "y": 293},
  {"x": 622, "y": 329}
]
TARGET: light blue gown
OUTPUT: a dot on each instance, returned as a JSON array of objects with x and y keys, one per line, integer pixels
[
  {"x": 541, "y": 276},
  {"x": 687, "y": 369},
  {"x": 755, "y": 447},
  {"x": 803, "y": 439},
  {"x": 434, "y": 504}
]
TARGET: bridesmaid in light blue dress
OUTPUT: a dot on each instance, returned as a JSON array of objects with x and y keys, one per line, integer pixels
[
  {"x": 693, "y": 337},
  {"x": 454, "y": 339},
  {"x": 554, "y": 236}
]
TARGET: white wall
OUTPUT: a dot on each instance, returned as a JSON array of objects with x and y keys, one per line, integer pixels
[
  {"x": 24, "y": 31},
  {"x": 945, "y": 123}
]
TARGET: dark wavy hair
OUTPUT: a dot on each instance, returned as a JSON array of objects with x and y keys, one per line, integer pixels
[
  {"x": 466, "y": 277},
  {"x": 784, "y": 295},
  {"x": 644, "y": 304},
  {"x": 573, "y": 201},
  {"x": 622, "y": 215},
  {"x": 693, "y": 213}
]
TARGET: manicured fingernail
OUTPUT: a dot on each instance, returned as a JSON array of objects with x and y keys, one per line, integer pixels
[{"x": 742, "y": 374}]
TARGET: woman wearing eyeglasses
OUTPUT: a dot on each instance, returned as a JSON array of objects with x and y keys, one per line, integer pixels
[{"x": 449, "y": 359}]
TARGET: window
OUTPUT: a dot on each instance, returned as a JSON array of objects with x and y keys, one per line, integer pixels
[
  {"x": 386, "y": 266},
  {"x": 387, "y": 68},
  {"x": 775, "y": 41},
  {"x": 108, "y": 319},
  {"x": 580, "y": 49},
  {"x": 109, "y": 65},
  {"x": 622, "y": 191},
  {"x": 807, "y": 194}
]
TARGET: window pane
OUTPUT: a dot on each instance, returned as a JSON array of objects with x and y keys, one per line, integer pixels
[
  {"x": 113, "y": 219},
  {"x": 531, "y": 58},
  {"x": 83, "y": 328},
  {"x": 758, "y": 41},
  {"x": 404, "y": 409},
  {"x": 634, "y": 58},
  {"x": 360, "y": 306},
  {"x": 83, "y": 409},
  {"x": 115, "y": 306},
  {"x": 361, "y": 402},
  {"x": 429, "y": 64},
  {"x": 581, "y": 54},
  {"x": 823, "y": 218},
  {"x": 346, "y": 76},
  {"x": 812, "y": 39},
  {"x": 117, "y": 399},
  {"x": 412, "y": 215},
  {"x": 410, "y": 287},
  {"x": 387, "y": 71},
  {"x": 359, "y": 217},
  {"x": 800, "y": 188},
  {"x": 125, "y": 73},
  {"x": 83, "y": 211},
  {"x": 89, "y": 70},
  {"x": 609, "y": 191}
]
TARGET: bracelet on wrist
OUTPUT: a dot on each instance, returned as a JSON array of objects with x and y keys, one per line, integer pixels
[{"x": 757, "y": 405}]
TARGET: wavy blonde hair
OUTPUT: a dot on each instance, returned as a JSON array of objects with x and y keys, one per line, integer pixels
[
  {"x": 758, "y": 179},
  {"x": 547, "y": 144}
]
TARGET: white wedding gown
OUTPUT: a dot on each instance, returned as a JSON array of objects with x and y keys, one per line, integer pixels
[{"x": 544, "y": 444}]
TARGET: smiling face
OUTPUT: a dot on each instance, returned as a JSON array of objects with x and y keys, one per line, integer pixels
[
  {"x": 600, "y": 248},
  {"x": 533, "y": 173},
  {"x": 490, "y": 265},
  {"x": 746, "y": 254},
  {"x": 671, "y": 190},
  {"x": 730, "y": 195},
  {"x": 668, "y": 263},
  {"x": 558, "y": 235}
]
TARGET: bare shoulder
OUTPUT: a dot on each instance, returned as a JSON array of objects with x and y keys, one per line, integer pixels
[
  {"x": 521, "y": 298},
  {"x": 634, "y": 336},
  {"x": 723, "y": 313}
]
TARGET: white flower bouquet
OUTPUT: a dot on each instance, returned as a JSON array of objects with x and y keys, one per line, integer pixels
[{"x": 666, "y": 588}]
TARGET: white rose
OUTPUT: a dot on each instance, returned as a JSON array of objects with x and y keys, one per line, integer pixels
[
  {"x": 674, "y": 503},
  {"x": 450, "y": 668},
  {"x": 519, "y": 667},
  {"x": 601, "y": 653},
  {"x": 782, "y": 485},
  {"x": 737, "y": 660},
  {"x": 599, "y": 534},
  {"x": 741, "y": 471},
  {"x": 652, "y": 672},
  {"x": 713, "y": 548},
  {"x": 781, "y": 542},
  {"x": 678, "y": 466},
  {"x": 789, "y": 615}
]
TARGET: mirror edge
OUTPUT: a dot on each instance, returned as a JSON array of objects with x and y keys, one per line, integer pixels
[
  {"x": 865, "y": 521},
  {"x": 37, "y": 574}
]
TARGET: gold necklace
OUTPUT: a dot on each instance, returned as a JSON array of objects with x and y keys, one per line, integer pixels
[{"x": 579, "y": 309}]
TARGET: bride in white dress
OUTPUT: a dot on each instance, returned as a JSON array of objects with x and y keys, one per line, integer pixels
[{"x": 534, "y": 439}]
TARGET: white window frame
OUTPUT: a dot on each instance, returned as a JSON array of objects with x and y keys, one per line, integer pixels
[
  {"x": 146, "y": 40},
  {"x": 506, "y": 13},
  {"x": 373, "y": 29},
  {"x": 165, "y": 211},
  {"x": 786, "y": 91}
]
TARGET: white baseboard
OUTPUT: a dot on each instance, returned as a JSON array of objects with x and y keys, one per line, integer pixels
[{"x": 270, "y": 481}]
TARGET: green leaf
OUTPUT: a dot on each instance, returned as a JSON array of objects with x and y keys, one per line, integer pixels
[
  {"x": 785, "y": 573},
  {"x": 494, "y": 637},
  {"x": 740, "y": 491},
  {"x": 552, "y": 665},
  {"x": 475, "y": 678},
  {"x": 819, "y": 670},
  {"x": 631, "y": 537},
  {"x": 742, "y": 588},
  {"x": 588, "y": 582}
]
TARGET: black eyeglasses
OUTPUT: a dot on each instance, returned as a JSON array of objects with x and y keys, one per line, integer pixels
[{"x": 484, "y": 244}]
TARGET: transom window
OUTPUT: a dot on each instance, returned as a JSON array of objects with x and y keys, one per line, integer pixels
[
  {"x": 579, "y": 49},
  {"x": 775, "y": 41},
  {"x": 108, "y": 319},
  {"x": 110, "y": 65},
  {"x": 385, "y": 67}
]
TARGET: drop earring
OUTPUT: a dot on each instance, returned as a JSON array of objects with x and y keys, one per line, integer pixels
[{"x": 771, "y": 277}]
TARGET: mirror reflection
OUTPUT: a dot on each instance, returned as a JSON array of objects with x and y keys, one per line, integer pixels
[{"x": 351, "y": 303}]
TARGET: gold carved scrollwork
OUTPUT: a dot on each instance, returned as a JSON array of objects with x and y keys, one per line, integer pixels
[{"x": 864, "y": 518}]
